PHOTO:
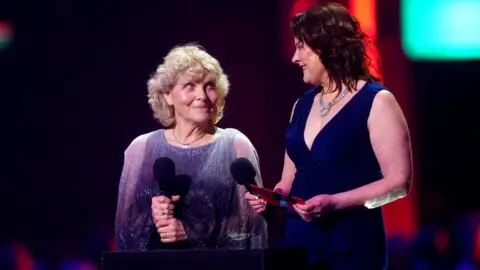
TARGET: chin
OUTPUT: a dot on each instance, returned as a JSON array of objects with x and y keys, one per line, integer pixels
[
  {"x": 307, "y": 80},
  {"x": 202, "y": 119}
]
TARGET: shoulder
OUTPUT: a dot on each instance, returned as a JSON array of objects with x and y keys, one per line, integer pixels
[
  {"x": 384, "y": 99},
  {"x": 238, "y": 138},
  {"x": 139, "y": 143},
  {"x": 386, "y": 108},
  {"x": 235, "y": 134},
  {"x": 381, "y": 96},
  {"x": 375, "y": 87}
]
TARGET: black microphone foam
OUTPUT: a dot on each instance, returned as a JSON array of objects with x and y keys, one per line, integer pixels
[
  {"x": 164, "y": 174},
  {"x": 243, "y": 171}
]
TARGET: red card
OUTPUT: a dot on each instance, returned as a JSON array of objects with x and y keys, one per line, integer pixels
[{"x": 275, "y": 198}]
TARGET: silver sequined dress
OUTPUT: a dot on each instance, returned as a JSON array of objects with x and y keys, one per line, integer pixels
[{"x": 214, "y": 212}]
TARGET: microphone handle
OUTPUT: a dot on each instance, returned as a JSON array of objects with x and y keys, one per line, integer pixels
[
  {"x": 154, "y": 242},
  {"x": 163, "y": 192},
  {"x": 250, "y": 189}
]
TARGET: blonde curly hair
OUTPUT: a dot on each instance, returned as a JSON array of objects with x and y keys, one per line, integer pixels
[{"x": 190, "y": 59}]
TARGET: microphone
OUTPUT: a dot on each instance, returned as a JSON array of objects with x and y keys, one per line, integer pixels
[
  {"x": 243, "y": 173},
  {"x": 164, "y": 174}
]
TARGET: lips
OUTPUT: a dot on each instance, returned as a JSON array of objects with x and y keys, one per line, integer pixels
[{"x": 201, "y": 107}]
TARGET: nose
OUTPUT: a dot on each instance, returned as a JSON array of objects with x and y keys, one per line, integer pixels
[
  {"x": 295, "y": 57},
  {"x": 200, "y": 92}
]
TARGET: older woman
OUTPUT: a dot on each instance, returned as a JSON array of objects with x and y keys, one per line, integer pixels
[
  {"x": 347, "y": 146},
  {"x": 187, "y": 95}
]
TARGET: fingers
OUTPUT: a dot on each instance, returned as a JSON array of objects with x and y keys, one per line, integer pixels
[
  {"x": 278, "y": 190},
  {"x": 304, "y": 207},
  {"x": 254, "y": 200},
  {"x": 161, "y": 205},
  {"x": 164, "y": 226},
  {"x": 163, "y": 200},
  {"x": 250, "y": 196},
  {"x": 172, "y": 232},
  {"x": 257, "y": 204},
  {"x": 162, "y": 217},
  {"x": 260, "y": 208},
  {"x": 169, "y": 237},
  {"x": 160, "y": 199},
  {"x": 304, "y": 214},
  {"x": 162, "y": 208},
  {"x": 173, "y": 237},
  {"x": 161, "y": 214},
  {"x": 299, "y": 210}
]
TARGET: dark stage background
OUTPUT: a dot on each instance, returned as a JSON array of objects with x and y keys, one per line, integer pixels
[{"x": 74, "y": 85}]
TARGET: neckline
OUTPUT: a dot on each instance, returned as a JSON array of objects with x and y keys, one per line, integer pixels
[
  {"x": 219, "y": 133},
  {"x": 330, "y": 121}
]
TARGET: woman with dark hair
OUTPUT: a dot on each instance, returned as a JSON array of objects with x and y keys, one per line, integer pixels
[{"x": 347, "y": 147}]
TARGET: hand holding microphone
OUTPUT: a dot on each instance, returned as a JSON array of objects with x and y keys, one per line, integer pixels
[
  {"x": 256, "y": 203},
  {"x": 170, "y": 229},
  {"x": 244, "y": 173},
  {"x": 163, "y": 208}
]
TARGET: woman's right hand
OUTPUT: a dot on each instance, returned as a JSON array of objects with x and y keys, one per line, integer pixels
[
  {"x": 256, "y": 203},
  {"x": 162, "y": 208}
]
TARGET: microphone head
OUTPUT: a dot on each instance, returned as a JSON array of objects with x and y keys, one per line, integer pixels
[
  {"x": 164, "y": 171},
  {"x": 243, "y": 171}
]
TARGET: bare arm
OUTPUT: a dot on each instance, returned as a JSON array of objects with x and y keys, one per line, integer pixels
[
  {"x": 289, "y": 169},
  {"x": 391, "y": 143}
]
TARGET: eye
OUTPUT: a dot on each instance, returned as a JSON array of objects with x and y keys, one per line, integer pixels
[
  {"x": 299, "y": 45},
  {"x": 210, "y": 86},
  {"x": 188, "y": 85}
]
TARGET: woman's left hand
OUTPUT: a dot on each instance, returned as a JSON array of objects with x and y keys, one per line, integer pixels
[
  {"x": 315, "y": 207},
  {"x": 171, "y": 230}
]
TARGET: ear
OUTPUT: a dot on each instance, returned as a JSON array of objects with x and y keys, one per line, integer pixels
[{"x": 168, "y": 97}]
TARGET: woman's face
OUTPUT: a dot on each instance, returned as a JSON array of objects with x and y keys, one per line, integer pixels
[
  {"x": 314, "y": 72},
  {"x": 194, "y": 97}
]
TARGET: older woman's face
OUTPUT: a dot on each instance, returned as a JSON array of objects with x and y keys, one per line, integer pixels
[
  {"x": 314, "y": 71},
  {"x": 194, "y": 97}
]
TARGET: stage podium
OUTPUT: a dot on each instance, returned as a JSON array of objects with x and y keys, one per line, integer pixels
[{"x": 213, "y": 259}]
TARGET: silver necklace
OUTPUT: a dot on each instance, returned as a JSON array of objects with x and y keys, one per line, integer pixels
[
  {"x": 325, "y": 107},
  {"x": 186, "y": 145}
]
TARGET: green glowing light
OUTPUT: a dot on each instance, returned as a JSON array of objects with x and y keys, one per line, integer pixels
[{"x": 441, "y": 29}]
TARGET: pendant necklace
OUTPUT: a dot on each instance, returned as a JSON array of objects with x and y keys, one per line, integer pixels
[
  {"x": 186, "y": 145},
  {"x": 325, "y": 107}
]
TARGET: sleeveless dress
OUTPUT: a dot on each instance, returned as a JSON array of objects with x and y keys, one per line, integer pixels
[
  {"x": 341, "y": 159},
  {"x": 213, "y": 210}
]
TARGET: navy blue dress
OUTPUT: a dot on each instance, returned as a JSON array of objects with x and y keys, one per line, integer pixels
[{"x": 341, "y": 159}]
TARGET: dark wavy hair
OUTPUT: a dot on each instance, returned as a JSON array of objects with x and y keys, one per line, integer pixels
[{"x": 335, "y": 35}]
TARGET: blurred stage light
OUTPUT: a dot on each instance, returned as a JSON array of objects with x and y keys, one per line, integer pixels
[
  {"x": 5, "y": 34},
  {"x": 441, "y": 29},
  {"x": 365, "y": 11}
]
